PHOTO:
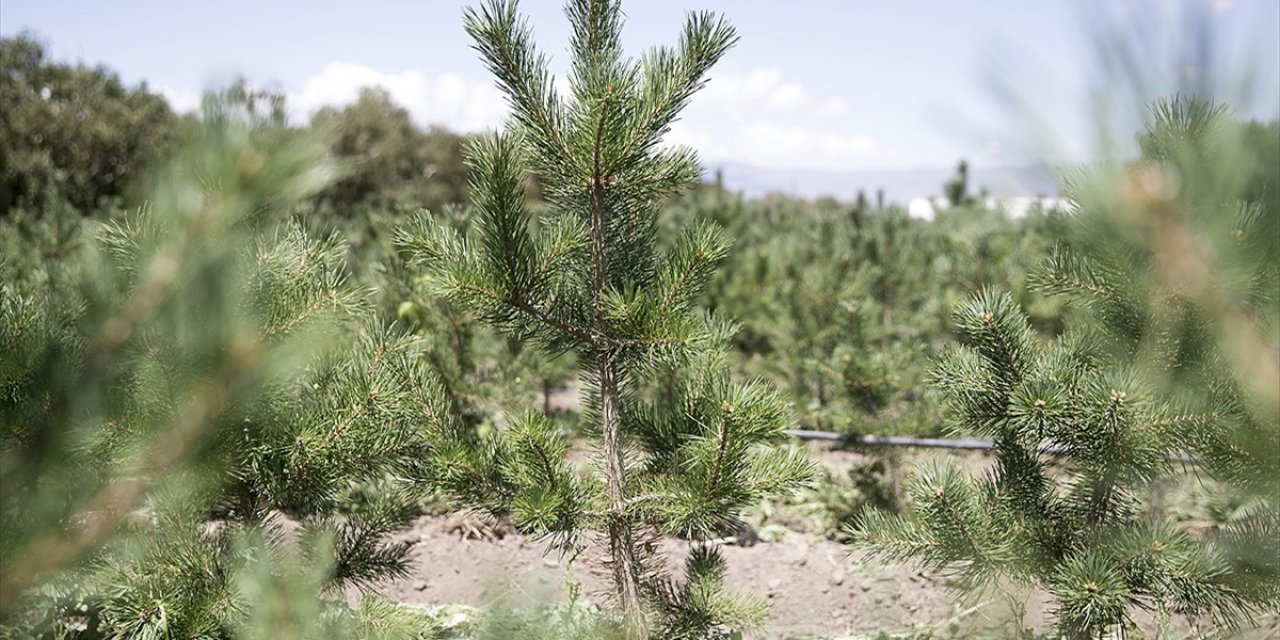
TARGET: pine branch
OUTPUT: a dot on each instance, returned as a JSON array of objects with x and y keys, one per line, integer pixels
[
  {"x": 104, "y": 512},
  {"x": 505, "y": 43}
]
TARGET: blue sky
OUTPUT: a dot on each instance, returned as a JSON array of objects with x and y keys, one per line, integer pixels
[{"x": 848, "y": 85}]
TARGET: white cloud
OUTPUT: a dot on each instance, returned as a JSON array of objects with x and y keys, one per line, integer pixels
[
  {"x": 445, "y": 99},
  {"x": 738, "y": 93},
  {"x": 833, "y": 106},
  {"x": 757, "y": 117},
  {"x": 181, "y": 101},
  {"x": 762, "y": 119}
]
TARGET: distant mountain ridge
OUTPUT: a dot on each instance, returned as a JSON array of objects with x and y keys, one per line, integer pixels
[{"x": 900, "y": 185}]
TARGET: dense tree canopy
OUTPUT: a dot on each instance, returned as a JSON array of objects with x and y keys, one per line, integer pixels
[
  {"x": 390, "y": 162},
  {"x": 73, "y": 133}
]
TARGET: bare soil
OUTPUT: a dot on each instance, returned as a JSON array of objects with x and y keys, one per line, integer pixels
[{"x": 817, "y": 587}]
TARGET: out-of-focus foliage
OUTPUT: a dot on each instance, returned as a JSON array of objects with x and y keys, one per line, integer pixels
[
  {"x": 1171, "y": 268},
  {"x": 71, "y": 134},
  {"x": 1176, "y": 258},
  {"x": 188, "y": 398},
  {"x": 956, "y": 189}
]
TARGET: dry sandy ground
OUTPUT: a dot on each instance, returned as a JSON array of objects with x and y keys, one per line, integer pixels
[{"x": 817, "y": 587}]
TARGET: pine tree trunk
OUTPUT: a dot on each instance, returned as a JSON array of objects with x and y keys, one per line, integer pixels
[
  {"x": 622, "y": 550},
  {"x": 621, "y": 542}
]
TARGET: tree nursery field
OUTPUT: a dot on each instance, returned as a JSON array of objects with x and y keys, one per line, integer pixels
[{"x": 271, "y": 378}]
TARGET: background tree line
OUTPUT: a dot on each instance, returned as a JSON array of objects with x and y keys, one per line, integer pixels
[
  {"x": 852, "y": 327},
  {"x": 842, "y": 303},
  {"x": 78, "y": 135}
]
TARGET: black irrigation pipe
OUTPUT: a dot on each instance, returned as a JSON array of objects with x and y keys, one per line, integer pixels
[
  {"x": 892, "y": 441},
  {"x": 963, "y": 444}
]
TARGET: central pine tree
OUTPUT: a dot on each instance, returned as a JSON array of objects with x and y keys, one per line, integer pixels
[{"x": 682, "y": 446}]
